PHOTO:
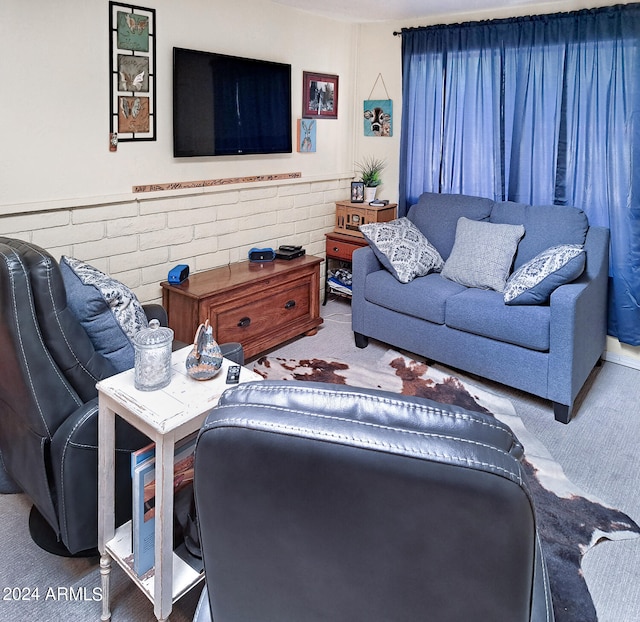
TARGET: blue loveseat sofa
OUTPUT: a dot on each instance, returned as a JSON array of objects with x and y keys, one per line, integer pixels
[{"x": 547, "y": 349}]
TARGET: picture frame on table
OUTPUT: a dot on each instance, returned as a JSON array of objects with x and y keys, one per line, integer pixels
[
  {"x": 319, "y": 95},
  {"x": 357, "y": 192}
]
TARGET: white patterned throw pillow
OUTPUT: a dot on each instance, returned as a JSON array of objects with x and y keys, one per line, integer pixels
[
  {"x": 534, "y": 282},
  {"x": 402, "y": 249}
]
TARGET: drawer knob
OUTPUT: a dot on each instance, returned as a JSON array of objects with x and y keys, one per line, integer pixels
[
  {"x": 244, "y": 322},
  {"x": 289, "y": 304},
  {"x": 336, "y": 249}
]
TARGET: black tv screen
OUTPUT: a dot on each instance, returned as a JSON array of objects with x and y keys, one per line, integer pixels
[{"x": 227, "y": 105}]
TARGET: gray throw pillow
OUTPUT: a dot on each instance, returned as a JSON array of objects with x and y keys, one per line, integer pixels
[
  {"x": 534, "y": 282},
  {"x": 106, "y": 308},
  {"x": 482, "y": 254},
  {"x": 402, "y": 249}
]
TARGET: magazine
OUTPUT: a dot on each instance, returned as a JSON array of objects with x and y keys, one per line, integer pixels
[{"x": 143, "y": 463}]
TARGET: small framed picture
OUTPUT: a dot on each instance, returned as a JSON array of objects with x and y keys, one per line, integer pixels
[
  {"x": 319, "y": 96},
  {"x": 357, "y": 192}
]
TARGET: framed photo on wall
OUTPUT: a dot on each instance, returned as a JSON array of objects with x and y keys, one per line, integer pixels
[
  {"x": 319, "y": 96},
  {"x": 132, "y": 89},
  {"x": 357, "y": 192}
]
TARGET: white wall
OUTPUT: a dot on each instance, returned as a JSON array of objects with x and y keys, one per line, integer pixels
[
  {"x": 55, "y": 104},
  {"x": 61, "y": 187}
]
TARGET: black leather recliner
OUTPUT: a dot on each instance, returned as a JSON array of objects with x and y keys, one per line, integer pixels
[
  {"x": 49, "y": 407},
  {"x": 319, "y": 502}
]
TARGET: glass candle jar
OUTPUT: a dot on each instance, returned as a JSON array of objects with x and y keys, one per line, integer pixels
[{"x": 152, "y": 357}]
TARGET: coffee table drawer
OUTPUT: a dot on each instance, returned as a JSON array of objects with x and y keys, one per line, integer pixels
[{"x": 277, "y": 308}]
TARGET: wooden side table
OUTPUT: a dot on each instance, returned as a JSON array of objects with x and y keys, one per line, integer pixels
[
  {"x": 349, "y": 216},
  {"x": 339, "y": 247},
  {"x": 260, "y": 305},
  {"x": 165, "y": 416}
]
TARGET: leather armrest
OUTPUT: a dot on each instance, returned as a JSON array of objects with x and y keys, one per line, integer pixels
[{"x": 156, "y": 312}]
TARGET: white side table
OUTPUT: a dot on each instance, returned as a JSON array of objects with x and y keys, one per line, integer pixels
[{"x": 165, "y": 416}]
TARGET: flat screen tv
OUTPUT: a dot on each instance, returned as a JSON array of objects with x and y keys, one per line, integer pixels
[{"x": 227, "y": 105}]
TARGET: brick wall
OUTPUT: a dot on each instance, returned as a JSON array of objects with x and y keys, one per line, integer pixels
[{"x": 139, "y": 239}]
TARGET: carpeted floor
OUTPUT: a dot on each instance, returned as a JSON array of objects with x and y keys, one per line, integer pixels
[{"x": 598, "y": 452}]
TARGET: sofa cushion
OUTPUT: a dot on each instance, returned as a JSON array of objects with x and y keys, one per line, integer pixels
[
  {"x": 544, "y": 225},
  {"x": 437, "y": 215},
  {"x": 424, "y": 297},
  {"x": 482, "y": 254},
  {"x": 402, "y": 249},
  {"x": 106, "y": 308},
  {"x": 484, "y": 313},
  {"x": 534, "y": 281}
]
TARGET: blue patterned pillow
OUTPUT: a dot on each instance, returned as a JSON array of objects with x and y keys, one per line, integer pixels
[
  {"x": 107, "y": 309},
  {"x": 534, "y": 281},
  {"x": 402, "y": 249}
]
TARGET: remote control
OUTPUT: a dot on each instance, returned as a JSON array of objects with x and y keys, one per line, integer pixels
[{"x": 233, "y": 374}]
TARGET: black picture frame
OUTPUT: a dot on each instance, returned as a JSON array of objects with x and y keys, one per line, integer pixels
[
  {"x": 357, "y": 192},
  {"x": 132, "y": 88}
]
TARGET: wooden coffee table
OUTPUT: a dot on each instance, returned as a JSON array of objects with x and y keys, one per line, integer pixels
[{"x": 260, "y": 305}]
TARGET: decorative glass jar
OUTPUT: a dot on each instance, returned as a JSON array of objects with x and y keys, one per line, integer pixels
[{"x": 152, "y": 357}]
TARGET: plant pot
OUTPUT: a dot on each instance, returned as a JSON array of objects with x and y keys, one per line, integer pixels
[{"x": 370, "y": 193}]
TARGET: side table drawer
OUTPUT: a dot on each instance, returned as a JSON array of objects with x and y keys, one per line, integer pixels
[
  {"x": 337, "y": 249},
  {"x": 274, "y": 309}
]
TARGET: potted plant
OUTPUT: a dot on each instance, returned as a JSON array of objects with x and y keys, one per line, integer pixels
[{"x": 370, "y": 169}]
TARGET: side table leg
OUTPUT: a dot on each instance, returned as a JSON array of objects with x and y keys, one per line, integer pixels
[
  {"x": 105, "y": 570},
  {"x": 326, "y": 283}
]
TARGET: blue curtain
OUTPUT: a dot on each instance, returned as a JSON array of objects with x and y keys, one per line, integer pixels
[{"x": 541, "y": 110}]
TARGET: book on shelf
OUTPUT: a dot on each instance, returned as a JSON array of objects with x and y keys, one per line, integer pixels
[
  {"x": 339, "y": 286},
  {"x": 143, "y": 465}
]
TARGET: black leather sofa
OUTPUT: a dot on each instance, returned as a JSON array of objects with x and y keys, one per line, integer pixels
[
  {"x": 49, "y": 407},
  {"x": 319, "y": 502}
]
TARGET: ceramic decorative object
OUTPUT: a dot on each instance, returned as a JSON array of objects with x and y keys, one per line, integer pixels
[
  {"x": 205, "y": 359},
  {"x": 152, "y": 364},
  {"x": 370, "y": 193}
]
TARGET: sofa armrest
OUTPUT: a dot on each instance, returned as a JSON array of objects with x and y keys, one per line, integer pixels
[
  {"x": 363, "y": 262},
  {"x": 579, "y": 322}
]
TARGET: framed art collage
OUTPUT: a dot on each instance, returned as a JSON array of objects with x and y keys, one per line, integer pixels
[{"x": 132, "y": 89}]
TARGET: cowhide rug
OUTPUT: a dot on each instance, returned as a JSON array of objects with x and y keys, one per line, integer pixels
[{"x": 570, "y": 521}]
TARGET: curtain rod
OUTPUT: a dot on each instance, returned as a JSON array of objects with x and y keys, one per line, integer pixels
[{"x": 524, "y": 18}]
